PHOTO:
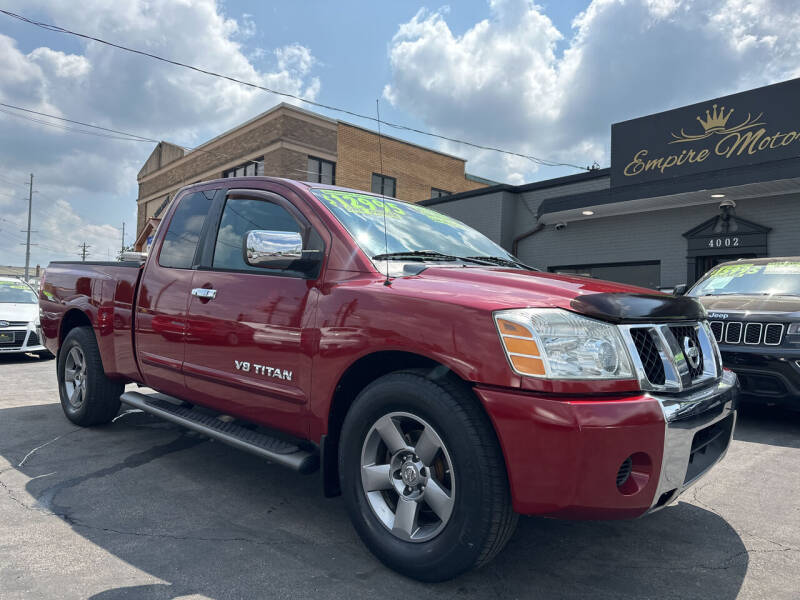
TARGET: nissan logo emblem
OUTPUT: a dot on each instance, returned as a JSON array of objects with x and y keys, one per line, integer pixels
[
  {"x": 691, "y": 351},
  {"x": 4, "y": 323}
]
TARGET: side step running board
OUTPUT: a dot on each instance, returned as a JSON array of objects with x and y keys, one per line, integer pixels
[{"x": 261, "y": 444}]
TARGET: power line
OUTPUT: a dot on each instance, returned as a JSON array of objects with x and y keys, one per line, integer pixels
[
  {"x": 130, "y": 135},
  {"x": 43, "y": 114},
  {"x": 9, "y": 182},
  {"x": 67, "y": 128},
  {"x": 57, "y": 29},
  {"x": 20, "y": 238}
]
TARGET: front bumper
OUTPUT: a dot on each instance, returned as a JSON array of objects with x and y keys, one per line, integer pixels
[
  {"x": 768, "y": 375},
  {"x": 698, "y": 431},
  {"x": 23, "y": 340},
  {"x": 564, "y": 455}
]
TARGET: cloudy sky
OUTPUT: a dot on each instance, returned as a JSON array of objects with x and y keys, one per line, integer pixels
[{"x": 543, "y": 79}]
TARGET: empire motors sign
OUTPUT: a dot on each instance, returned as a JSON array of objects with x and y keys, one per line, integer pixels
[{"x": 751, "y": 127}]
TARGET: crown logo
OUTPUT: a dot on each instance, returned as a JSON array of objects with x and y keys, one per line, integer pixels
[{"x": 715, "y": 121}]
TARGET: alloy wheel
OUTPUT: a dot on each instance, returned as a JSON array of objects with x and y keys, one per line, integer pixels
[
  {"x": 75, "y": 377},
  {"x": 407, "y": 477}
]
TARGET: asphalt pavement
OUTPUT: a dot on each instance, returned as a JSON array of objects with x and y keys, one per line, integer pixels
[{"x": 144, "y": 509}]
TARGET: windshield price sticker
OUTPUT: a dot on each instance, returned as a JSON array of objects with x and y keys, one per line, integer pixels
[
  {"x": 738, "y": 270},
  {"x": 360, "y": 204},
  {"x": 372, "y": 206},
  {"x": 14, "y": 285},
  {"x": 439, "y": 217},
  {"x": 783, "y": 268}
]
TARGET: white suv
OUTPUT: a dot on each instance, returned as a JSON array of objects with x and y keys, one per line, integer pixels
[{"x": 19, "y": 318}]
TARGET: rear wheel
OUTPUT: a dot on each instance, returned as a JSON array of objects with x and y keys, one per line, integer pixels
[
  {"x": 88, "y": 397},
  {"x": 423, "y": 476}
]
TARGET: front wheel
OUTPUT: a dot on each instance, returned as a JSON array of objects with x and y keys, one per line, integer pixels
[
  {"x": 423, "y": 476},
  {"x": 88, "y": 397}
]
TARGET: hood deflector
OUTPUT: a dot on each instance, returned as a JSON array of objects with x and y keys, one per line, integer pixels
[{"x": 638, "y": 308}]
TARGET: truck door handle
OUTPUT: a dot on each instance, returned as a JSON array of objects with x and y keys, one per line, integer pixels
[{"x": 204, "y": 293}]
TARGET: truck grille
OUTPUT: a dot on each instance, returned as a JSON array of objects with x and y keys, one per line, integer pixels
[
  {"x": 649, "y": 355},
  {"x": 682, "y": 332},
  {"x": 672, "y": 357},
  {"x": 751, "y": 334}
]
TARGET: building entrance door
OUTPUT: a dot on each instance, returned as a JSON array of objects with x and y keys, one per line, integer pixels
[{"x": 722, "y": 238}]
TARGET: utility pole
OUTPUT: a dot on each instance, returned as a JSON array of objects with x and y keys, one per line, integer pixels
[
  {"x": 123, "y": 237},
  {"x": 28, "y": 231},
  {"x": 83, "y": 251}
]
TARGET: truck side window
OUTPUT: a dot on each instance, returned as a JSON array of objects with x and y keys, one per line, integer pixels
[
  {"x": 180, "y": 240},
  {"x": 240, "y": 216}
]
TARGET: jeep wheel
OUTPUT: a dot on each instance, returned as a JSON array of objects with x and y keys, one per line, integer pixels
[
  {"x": 88, "y": 397},
  {"x": 423, "y": 476}
]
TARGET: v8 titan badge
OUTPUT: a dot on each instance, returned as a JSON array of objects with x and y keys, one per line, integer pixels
[{"x": 247, "y": 367}]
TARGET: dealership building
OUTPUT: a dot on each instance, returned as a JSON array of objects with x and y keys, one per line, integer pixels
[{"x": 687, "y": 189}]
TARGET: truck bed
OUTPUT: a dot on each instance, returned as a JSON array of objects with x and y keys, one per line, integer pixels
[{"x": 103, "y": 292}]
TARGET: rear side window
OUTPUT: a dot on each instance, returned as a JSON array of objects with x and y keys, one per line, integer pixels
[
  {"x": 180, "y": 241},
  {"x": 240, "y": 216}
]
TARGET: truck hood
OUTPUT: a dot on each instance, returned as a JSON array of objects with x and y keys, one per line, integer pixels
[
  {"x": 497, "y": 288},
  {"x": 740, "y": 304},
  {"x": 18, "y": 312}
]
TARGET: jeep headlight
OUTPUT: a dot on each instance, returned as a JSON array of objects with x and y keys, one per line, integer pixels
[{"x": 557, "y": 344}]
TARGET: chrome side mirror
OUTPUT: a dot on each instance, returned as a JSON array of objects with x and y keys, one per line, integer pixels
[{"x": 272, "y": 249}]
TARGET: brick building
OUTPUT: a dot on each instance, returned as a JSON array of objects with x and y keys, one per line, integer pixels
[{"x": 290, "y": 142}]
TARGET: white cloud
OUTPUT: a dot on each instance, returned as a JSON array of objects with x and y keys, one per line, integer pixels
[
  {"x": 60, "y": 64},
  {"x": 247, "y": 26},
  {"x": 506, "y": 82},
  {"x": 59, "y": 232},
  {"x": 112, "y": 88}
]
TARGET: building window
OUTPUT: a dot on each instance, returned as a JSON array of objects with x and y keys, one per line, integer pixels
[
  {"x": 321, "y": 171},
  {"x": 384, "y": 185},
  {"x": 161, "y": 207},
  {"x": 438, "y": 193},
  {"x": 248, "y": 169},
  {"x": 644, "y": 273}
]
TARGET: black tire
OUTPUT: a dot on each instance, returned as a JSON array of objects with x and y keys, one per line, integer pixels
[
  {"x": 481, "y": 520},
  {"x": 97, "y": 401}
]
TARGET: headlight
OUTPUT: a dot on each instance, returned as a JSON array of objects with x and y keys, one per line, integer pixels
[
  {"x": 557, "y": 344},
  {"x": 793, "y": 329}
]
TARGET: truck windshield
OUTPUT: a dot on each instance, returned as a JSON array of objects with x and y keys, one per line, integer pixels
[
  {"x": 779, "y": 278},
  {"x": 410, "y": 229},
  {"x": 15, "y": 292}
]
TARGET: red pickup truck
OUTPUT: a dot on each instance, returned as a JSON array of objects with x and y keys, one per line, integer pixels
[{"x": 440, "y": 385}]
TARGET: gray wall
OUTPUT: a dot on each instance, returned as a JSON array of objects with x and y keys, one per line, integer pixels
[
  {"x": 486, "y": 213},
  {"x": 653, "y": 235}
]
